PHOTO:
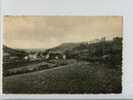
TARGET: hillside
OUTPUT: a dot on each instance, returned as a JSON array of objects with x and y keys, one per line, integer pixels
[
  {"x": 11, "y": 57},
  {"x": 11, "y": 51},
  {"x": 102, "y": 51},
  {"x": 64, "y": 47},
  {"x": 78, "y": 77}
]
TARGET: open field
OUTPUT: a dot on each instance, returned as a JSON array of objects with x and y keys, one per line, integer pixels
[{"x": 77, "y": 77}]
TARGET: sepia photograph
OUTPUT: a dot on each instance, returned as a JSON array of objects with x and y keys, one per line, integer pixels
[{"x": 62, "y": 54}]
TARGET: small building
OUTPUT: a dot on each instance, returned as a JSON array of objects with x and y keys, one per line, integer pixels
[
  {"x": 31, "y": 57},
  {"x": 55, "y": 55}
]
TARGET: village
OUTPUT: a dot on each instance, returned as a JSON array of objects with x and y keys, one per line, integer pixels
[{"x": 98, "y": 52}]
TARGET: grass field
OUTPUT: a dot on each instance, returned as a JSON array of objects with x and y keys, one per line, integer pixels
[{"x": 77, "y": 77}]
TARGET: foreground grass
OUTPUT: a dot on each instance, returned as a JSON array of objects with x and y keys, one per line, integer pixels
[{"x": 78, "y": 77}]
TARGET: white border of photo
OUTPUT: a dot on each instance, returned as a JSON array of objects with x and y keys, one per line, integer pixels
[{"x": 77, "y": 8}]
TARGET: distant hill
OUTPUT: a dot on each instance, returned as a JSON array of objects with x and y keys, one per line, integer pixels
[
  {"x": 110, "y": 50},
  {"x": 65, "y": 47},
  {"x": 7, "y": 51}
]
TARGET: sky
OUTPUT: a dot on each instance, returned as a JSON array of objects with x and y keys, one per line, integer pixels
[{"x": 26, "y": 32}]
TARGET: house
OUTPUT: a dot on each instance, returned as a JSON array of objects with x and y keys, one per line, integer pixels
[
  {"x": 55, "y": 55},
  {"x": 31, "y": 57}
]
